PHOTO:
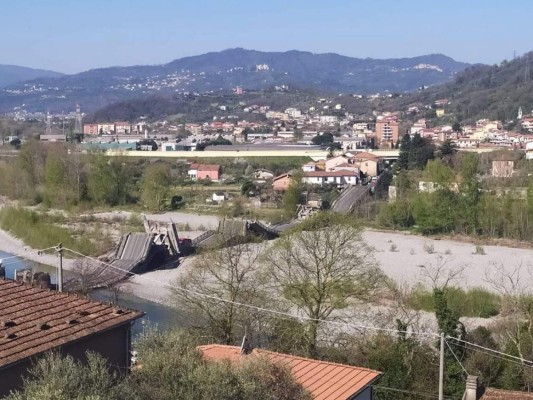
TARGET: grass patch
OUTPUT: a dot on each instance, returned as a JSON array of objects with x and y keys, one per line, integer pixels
[
  {"x": 479, "y": 250},
  {"x": 36, "y": 231},
  {"x": 429, "y": 248},
  {"x": 476, "y": 302}
]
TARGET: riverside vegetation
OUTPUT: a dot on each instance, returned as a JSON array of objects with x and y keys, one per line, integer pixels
[
  {"x": 321, "y": 270},
  {"x": 453, "y": 207}
]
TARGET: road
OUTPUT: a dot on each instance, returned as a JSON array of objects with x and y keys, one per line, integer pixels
[{"x": 349, "y": 198}]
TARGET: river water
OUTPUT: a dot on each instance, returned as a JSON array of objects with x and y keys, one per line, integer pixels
[{"x": 156, "y": 315}]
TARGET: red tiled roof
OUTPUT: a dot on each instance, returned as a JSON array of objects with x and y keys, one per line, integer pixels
[
  {"x": 281, "y": 177},
  {"x": 36, "y": 320},
  {"x": 346, "y": 165},
  {"x": 499, "y": 394},
  {"x": 324, "y": 380},
  {"x": 363, "y": 155},
  {"x": 342, "y": 172},
  {"x": 205, "y": 167}
]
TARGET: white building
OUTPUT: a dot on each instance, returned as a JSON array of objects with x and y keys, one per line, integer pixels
[{"x": 339, "y": 178}]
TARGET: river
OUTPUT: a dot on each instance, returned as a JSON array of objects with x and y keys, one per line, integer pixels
[{"x": 156, "y": 315}]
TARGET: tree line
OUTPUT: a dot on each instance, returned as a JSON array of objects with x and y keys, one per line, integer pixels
[
  {"x": 57, "y": 176},
  {"x": 459, "y": 196}
]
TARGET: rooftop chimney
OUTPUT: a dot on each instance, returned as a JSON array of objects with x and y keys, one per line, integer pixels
[{"x": 472, "y": 391}]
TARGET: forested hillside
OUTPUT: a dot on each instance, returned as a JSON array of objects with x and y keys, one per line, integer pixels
[{"x": 483, "y": 91}]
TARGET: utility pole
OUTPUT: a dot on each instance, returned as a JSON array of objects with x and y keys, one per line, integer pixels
[
  {"x": 59, "y": 249},
  {"x": 441, "y": 368}
]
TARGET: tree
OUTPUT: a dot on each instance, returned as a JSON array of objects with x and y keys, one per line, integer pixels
[
  {"x": 456, "y": 127},
  {"x": 172, "y": 368},
  {"x": 248, "y": 188},
  {"x": 420, "y": 152},
  {"x": 448, "y": 148},
  {"x": 405, "y": 148},
  {"x": 441, "y": 275},
  {"x": 54, "y": 178},
  {"x": 231, "y": 273},
  {"x": 321, "y": 267},
  {"x": 109, "y": 181},
  {"x": 100, "y": 180},
  {"x": 439, "y": 173},
  {"x": 470, "y": 190},
  {"x": 54, "y": 377},
  {"x": 293, "y": 195},
  {"x": 155, "y": 186},
  {"x": 406, "y": 363},
  {"x": 323, "y": 139}
]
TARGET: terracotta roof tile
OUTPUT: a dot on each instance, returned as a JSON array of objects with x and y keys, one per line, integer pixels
[
  {"x": 499, "y": 394},
  {"x": 41, "y": 320},
  {"x": 324, "y": 380},
  {"x": 363, "y": 155},
  {"x": 205, "y": 167}
]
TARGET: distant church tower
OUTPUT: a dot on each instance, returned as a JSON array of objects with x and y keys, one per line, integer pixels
[
  {"x": 520, "y": 113},
  {"x": 77, "y": 127}
]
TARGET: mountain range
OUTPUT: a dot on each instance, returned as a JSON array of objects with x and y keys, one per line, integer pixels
[
  {"x": 225, "y": 70},
  {"x": 12, "y": 74}
]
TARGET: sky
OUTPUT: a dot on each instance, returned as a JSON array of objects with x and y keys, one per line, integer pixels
[{"x": 71, "y": 36}]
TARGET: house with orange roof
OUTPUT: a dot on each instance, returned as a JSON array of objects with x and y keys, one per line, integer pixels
[
  {"x": 34, "y": 321},
  {"x": 324, "y": 380},
  {"x": 281, "y": 183},
  {"x": 368, "y": 163},
  {"x": 205, "y": 171}
]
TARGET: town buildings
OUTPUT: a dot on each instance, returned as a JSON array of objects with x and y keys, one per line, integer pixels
[{"x": 387, "y": 131}]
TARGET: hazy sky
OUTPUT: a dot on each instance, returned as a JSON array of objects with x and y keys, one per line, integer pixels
[{"x": 76, "y": 35}]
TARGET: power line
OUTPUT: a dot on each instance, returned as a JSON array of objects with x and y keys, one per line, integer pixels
[
  {"x": 490, "y": 354},
  {"x": 455, "y": 356},
  {"x": 252, "y": 307},
  {"x": 24, "y": 257},
  {"x": 522, "y": 361}
]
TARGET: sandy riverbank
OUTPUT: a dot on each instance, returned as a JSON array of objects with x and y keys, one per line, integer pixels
[
  {"x": 403, "y": 264},
  {"x": 12, "y": 245},
  {"x": 411, "y": 252},
  {"x": 399, "y": 254}
]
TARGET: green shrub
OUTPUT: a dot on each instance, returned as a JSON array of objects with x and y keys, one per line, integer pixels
[
  {"x": 35, "y": 231},
  {"x": 479, "y": 250},
  {"x": 476, "y": 302}
]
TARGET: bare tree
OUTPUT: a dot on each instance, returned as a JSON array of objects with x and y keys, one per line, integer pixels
[
  {"x": 324, "y": 266},
  {"x": 231, "y": 274},
  {"x": 516, "y": 329},
  {"x": 90, "y": 274},
  {"x": 442, "y": 273}
]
